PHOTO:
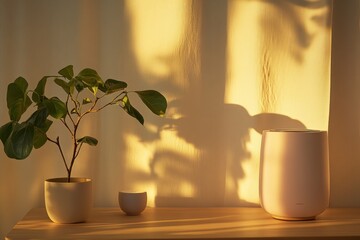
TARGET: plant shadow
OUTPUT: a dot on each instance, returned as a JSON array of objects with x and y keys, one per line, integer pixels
[{"x": 205, "y": 165}]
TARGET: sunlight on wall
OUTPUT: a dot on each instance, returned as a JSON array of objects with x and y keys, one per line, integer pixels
[
  {"x": 138, "y": 156},
  {"x": 157, "y": 29},
  {"x": 293, "y": 63},
  {"x": 277, "y": 61},
  {"x": 284, "y": 72},
  {"x": 158, "y": 32},
  {"x": 141, "y": 161},
  {"x": 242, "y": 74},
  {"x": 179, "y": 185},
  {"x": 248, "y": 186}
]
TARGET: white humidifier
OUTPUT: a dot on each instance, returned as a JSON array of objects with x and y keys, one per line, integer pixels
[{"x": 294, "y": 173}]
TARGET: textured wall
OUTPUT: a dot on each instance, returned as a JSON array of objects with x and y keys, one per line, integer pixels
[{"x": 229, "y": 69}]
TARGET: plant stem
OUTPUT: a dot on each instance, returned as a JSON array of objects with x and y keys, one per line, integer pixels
[
  {"x": 57, "y": 142},
  {"x": 75, "y": 125},
  {"x": 66, "y": 125},
  {"x": 111, "y": 102},
  {"x": 90, "y": 109},
  {"x": 75, "y": 147},
  {"x": 78, "y": 151},
  {"x": 75, "y": 102},
  {"x": 67, "y": 109}
]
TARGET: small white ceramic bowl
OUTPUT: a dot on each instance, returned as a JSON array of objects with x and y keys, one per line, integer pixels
[{"x": 132, "y": 203}]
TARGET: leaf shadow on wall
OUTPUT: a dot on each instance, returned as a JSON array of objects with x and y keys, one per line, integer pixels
[
  {"x": 219, "y": 165},
  {"x": 206, "y": 171},
  {"x": 218, "y": 132},
  {"x": 303, "y": 17}
]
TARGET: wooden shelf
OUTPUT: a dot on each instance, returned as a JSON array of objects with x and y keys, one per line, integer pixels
[{"x": 190, "y": 223}]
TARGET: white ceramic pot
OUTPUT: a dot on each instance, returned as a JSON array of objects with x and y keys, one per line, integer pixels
[
  {"x": 294, "y": 173},
  {"x": 68, "y": 202}
]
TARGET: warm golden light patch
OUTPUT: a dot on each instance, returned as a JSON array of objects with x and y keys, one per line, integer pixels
[
  {"x": 242, "y": 54},
  {"x": 137, "y": 164},
  {"x": 277, "y": 61},
  {"x": 174, "y": 163},
  {"x": 248, "y": 186},
  {"x": 153, "y": 162},
  {"x": 157, "y": 29}
]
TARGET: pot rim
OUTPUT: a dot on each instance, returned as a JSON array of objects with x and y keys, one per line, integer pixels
[
  {"x": 132, "y": 192},
  {"x": 293, "y": 130},
  {"x": 65, "y": 180}
]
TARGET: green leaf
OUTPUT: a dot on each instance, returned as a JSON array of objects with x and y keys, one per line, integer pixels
[
  {"x": 89, "y": 77},
  {"x": 16, "y": 110},
  {"x": 102, "y": 88},
  {"x": 38, "y": 94},
  {"x": 22, "y": 84},
  {"x": 20, "y": 142},
  {"x": 14, "y": 93},
  {"x": 9, "y": 149},
  {"x": 63, "y": 84},
  {"x": 5, "y": 131},
  {"x": 67, "y": 72},
  {"x": 57, "y": 109},
  {"x": 90, "y": 82},
  {"x": 17, "y": 99},
  {"x": 93, "y": 89},
  {"x": 154, "y": 100},
  {"x": 86, "y": 101},
  {"x": 131, "y": 110},
  {"x": 88, "y": 140},
  {"x": 40, "y": 138},
  {"x": 46, "y": 126},
  {"x": 39, "y": 117},
  {"x": 77, "y": 84},
  {"x": 112, "y": 85}
]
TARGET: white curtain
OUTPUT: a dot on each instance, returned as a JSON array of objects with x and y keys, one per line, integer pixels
[
  {"x": 344, "y": 120},
  {"x": 229, "y": 70}
]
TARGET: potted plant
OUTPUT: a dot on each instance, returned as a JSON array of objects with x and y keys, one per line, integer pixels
[{"x": 67, "y": 199}]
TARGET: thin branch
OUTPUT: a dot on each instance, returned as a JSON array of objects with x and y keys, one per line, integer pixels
[
  {"x": 66, "y": 125},
  {"x": 53, "y": 141},
  {"x": 67, "y": 109},
  {"x": 75, "y": 146},
  {"x": 62, "y": 154},
  {"x": 78, "y": 151},
  {"x": 89, "y": 110},
  {"x": 104, "y": 95},
  {"x": 74, "y": 154},
  {"x": 93, "y": 106},
  {"x": 57, "y": 142},
  {"x": 99, "y": 109},
  {"x": 110, "y": 103},
  {"x": 75, "y": 102},
  {"x": 78, "y": 109}
]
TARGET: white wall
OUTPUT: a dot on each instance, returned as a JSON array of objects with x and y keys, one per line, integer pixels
[{"x": 228, "y": 68}]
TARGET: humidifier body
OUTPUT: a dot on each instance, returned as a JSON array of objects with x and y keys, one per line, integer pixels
[{"x": 294, "y": 173}]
